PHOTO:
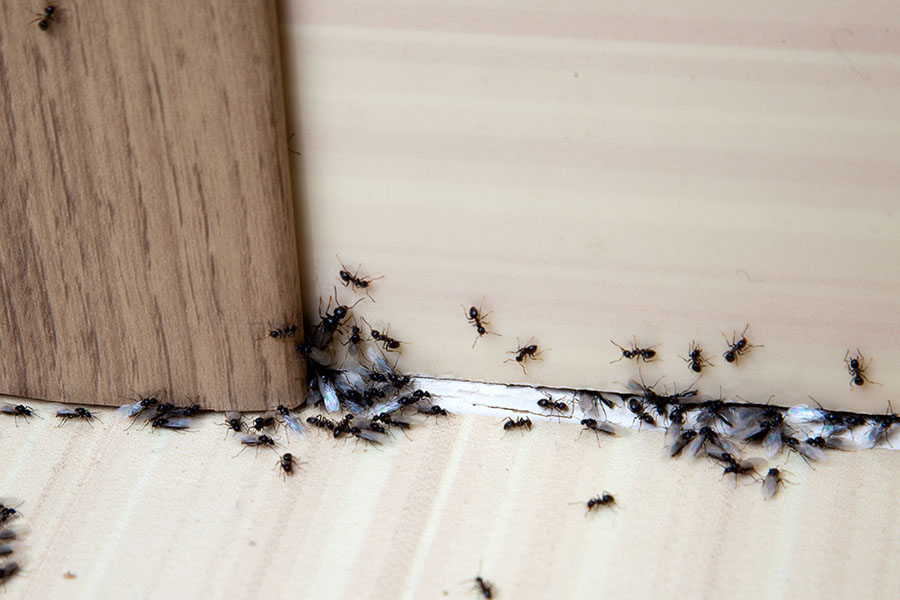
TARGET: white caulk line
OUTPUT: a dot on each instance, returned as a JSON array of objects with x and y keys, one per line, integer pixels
[{"x": 426, "y": 540}]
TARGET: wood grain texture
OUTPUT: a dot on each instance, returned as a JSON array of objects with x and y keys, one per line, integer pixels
[
  {"x": 161, "y": 515},
  {"x": 147, "y": 236},
  {"x": 609, "y": 170}
]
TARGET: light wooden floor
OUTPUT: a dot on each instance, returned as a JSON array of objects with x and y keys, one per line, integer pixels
[{"x": 160, "y": 515}]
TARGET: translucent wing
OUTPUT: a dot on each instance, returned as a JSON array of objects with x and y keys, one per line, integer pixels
[
  {"x": 773, "y": 442},
  {"x": 294, "y": 424},
  {"x": 770, "y": 484},
  {"x": 129, "y": 410},
  {"x": 329, "y": 395}
]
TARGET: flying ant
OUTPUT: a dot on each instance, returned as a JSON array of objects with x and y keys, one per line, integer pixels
[
  {"x": 679, "y": 439},
  {"x": 256, "y": 440},
  {"x": 736, "y": 467},
  {"x": 355, "y": 280},
  {"x": 48, "y": 17},
  {"x": 435, "y": 411},
  {"x": 387, "y": 342},
  {"x": 260, "y": 423},
  {"x": 290, "y": 420},
  {"x": 806, "y": 451},
  {"x": 331, "y": 322},
  {"x": 857, "y": 366},
  {"x": 66, "y": 413},
  {"x": 738, "y": 347},
  {"x": 170, "y": 423},
  {"x": 17, "y": 410},
  {"x": 598, "y": 427},
  {"x": 695, "y": 359},
  {"x": 520, "y": 423},
  {"x": 478, "y": 319},
  {"x": 771, "y": 482},
  {"x": 524, "y": 352}
]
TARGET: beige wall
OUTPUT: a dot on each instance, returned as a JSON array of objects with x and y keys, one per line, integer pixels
[{"x": 603, "y": 170}]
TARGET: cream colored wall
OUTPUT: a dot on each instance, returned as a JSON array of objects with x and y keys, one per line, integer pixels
[{"x": 603, "y": 170}]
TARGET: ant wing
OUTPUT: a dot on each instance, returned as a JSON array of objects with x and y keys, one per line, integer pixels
[
  {"x": 811, "y": 452},
  {"x": 294, "y": 424},
  {"x": 64, "y": 411},
  {"x": 178, "y": 423},
  {"x": 378, "y": 361},
  {"x": 250, "y": 439},
  {"x": 803, "y": 415},
  {"x": 8, "y": 409},
  {"x": 770, "y": 485},
  {"x": 773, "y": 442},
  {"x": 128, "y": 410},
  {"x": 329, "y": 395},
  {"x": 754, "y": 464},
  {"x": 588, "y": 404},
  {"x": 839, "y": 443}
]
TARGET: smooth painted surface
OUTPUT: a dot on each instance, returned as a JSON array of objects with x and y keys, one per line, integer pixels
[{"x": 608, "y": 170}]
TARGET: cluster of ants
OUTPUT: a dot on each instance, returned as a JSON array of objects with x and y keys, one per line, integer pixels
[
  {"x": 10, "y": 540},
  {"x": 723, "y": 431},
  {"x": 737, "y": 347},
  {"x": 374, "y": 397}
]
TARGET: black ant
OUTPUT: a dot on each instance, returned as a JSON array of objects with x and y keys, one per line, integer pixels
[
  {"x": 283, "y": 332},
  {"x": 8, "y": 570},
  {"x": 260, "y": 423},
  {"x": 331, "y": 322},
  {"x": 78, "y": 413},
  {"x": 47, "y": 18},
  {"x": 684, "y": 437},
  {"x": 234, "y": 422},
  {"x": 354, "y": 279},
  {"x": 484, "y": 587},
  {"x": 605, "y": 499},
  {"x": 857, "y": 366},
  {"x": 287, "y": 462},
  {"x": 738, "y": 347},
  {"x": 435, "y": 410},
  {"x": 695, "y": 359},
  {"x": 524, "y": 352},
  {"x": 597, "y": 427},
  {"x": 387, "y": 342},
  {"x": 321, "y": 422},
  {"x": 257, "y": 441},
  {"x": 639, "y": 354},
  {"x": 548, "y": 403},
  {"x": 18, "y": 410},
  {"x": 354, "y": 338},
  {"x": 520, "y": 423},
  {"x": 478, "y": 319}
]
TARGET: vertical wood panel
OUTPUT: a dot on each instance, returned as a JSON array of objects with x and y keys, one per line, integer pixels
[{"x": 147, "y": 235}]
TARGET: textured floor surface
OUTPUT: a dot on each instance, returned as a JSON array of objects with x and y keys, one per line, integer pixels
[{"x": 161, "y": 514}]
